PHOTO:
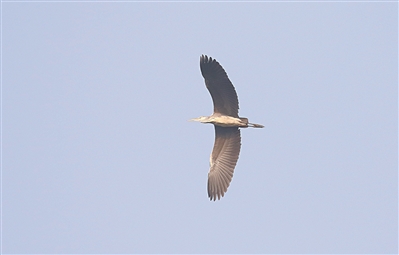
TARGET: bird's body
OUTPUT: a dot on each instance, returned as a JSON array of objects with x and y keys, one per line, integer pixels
[
  {"x": 227, "y": 123},
  {"x": 224, "y": 121}
]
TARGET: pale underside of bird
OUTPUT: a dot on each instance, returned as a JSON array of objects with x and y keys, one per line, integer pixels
[{"x": 227, "y": 123}]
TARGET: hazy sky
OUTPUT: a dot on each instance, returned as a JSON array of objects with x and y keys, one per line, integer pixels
[{"x": 98, "y": 155}]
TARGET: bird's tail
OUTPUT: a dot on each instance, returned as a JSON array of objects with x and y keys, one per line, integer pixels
[{"x": 255, "y": 125}]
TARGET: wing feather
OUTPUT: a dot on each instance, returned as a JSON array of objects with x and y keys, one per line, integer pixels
[
  {"x": 224, "y": 158},
  {"x": 224, "y": 96}
]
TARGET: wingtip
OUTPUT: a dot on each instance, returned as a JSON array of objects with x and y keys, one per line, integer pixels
[
  {"x": 205, "y": 59},
  {"x": 212, "y": 197}
]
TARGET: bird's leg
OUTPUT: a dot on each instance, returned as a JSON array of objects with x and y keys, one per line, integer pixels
[{"x": 255, "y": 125}]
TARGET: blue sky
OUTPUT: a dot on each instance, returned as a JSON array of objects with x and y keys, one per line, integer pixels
[{"x": 98, "y": 155}]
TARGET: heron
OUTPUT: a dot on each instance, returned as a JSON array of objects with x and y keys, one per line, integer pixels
[{"x": 226, "y": 121}]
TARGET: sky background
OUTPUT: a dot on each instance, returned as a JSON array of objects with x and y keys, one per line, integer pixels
[{"x": 98, "y": 155}]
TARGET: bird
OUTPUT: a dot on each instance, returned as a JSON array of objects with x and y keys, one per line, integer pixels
[{"x": 227, "y": 124}]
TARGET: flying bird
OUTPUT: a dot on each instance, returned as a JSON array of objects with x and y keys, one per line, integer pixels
[{"x": 227, "y": 123}]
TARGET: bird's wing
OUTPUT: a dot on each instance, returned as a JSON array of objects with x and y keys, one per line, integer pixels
[
  {"x": 223, "y": 94},
  {"x": 223, "y": 160}
]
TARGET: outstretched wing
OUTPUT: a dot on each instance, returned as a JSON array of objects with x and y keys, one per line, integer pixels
[
  {"x": 223, "y": 94},
  {"x": 223, "y": 160}
]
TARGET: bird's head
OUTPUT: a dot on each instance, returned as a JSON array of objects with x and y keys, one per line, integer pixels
[{"x": 202, "y": 119}]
